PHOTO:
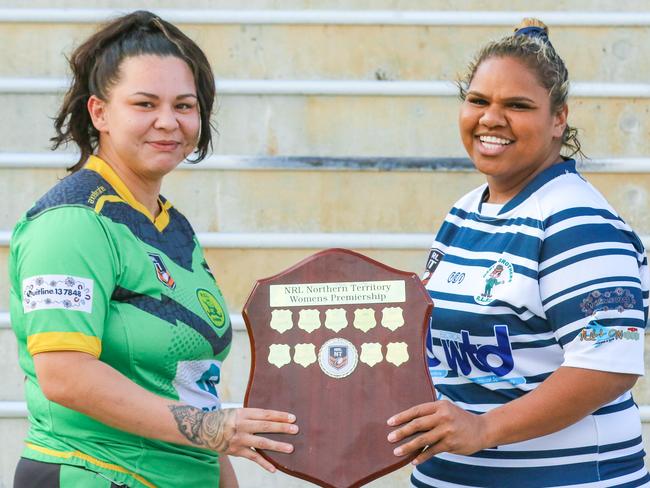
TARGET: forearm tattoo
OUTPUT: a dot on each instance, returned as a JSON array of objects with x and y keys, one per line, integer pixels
[{"x": 213, "y": 430}]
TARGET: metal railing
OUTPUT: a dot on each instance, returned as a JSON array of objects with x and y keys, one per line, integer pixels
[{"x": 387, "y": 88}]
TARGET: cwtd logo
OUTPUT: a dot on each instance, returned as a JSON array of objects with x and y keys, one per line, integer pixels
[{"x": 496, "y": 359}]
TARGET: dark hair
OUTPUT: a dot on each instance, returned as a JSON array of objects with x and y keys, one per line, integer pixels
[
  {"x": 95, "y": 69},
  {"x": 531, "y": 45}
]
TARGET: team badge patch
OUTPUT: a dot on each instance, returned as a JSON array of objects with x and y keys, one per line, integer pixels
[
  {"x": 338, "y": 358},
  {"x": 496, "y": 275},
  {"x": 211, "y": 307},
  {"x": 161, "y": 271},
  {"x": 621, "y": 299},
  {"x": 435, "y": 256},
  {"x": 57, "y": 291}
]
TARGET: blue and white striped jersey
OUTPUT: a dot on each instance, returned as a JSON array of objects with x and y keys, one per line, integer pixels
[{"x": 554, "y": 278}]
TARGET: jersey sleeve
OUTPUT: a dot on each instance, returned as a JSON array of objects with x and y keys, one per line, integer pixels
[
  {"x": 63, "y": 268},
  {"x": 593, "y": 278}
]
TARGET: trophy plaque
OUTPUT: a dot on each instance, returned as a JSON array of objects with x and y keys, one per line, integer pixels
[{"x": 338, "y": 340}]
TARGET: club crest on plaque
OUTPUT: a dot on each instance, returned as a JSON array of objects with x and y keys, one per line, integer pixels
[{"x": 338, "y": 358}]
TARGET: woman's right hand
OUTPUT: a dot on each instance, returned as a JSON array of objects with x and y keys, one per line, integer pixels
[{"x": 233, "y": 430}]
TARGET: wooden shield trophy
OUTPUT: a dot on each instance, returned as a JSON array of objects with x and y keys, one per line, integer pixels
[{"x": 338, "y": 340}]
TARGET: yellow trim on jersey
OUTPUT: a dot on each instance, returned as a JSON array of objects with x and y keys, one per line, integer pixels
[
  {"x": 100, "y": 166},
  {"x": 106, "y": 198},
  {"x": 91, "y": 460},
  {"x": 64, "y": 341}
]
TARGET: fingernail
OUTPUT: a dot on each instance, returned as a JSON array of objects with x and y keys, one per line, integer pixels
[
  {"x": 391, "y": 437},
  {"x": 292, "y": 417},
  {"x": 293, "y": 429},
  {"x": 391, "y": 421},
  {"x": 415, "y": 462},
  {"x": 289, "y": 449},
  {"x": 397, "y": 451}
]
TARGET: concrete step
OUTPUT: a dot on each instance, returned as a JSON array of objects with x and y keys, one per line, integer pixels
[
  {"x": 397, "y": 52},
  {"x": 381, "y": 126},
  {"x": 339, "y": 201},
  {"x": 237, "y": 270}
]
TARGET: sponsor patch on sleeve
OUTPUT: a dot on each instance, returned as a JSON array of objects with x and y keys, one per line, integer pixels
[
  {"x": 57, "y": 291},
  {"x": 435, "y": 256}
]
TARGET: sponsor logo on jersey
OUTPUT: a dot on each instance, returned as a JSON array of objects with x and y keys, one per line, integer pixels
[
  {"x": 435, "y": 256},
  {"x": 600, "y": 335},
  {"x": 57, "y": 291},
  {"x": 466, "y": 358},
  {"x": 501, "y": 272},
  {"x": 92, "y": 198},
  {"x": 197, "y": 383},
  {"x": 161, "y": 271},
  {"x": 211, "y": 307},
  {"x": 620, "y": 299}
]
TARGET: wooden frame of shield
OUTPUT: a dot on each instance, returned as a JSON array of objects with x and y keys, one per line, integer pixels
[{"x": 339, "y": 340}]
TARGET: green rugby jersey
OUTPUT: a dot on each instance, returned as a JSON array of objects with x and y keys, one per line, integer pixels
[{"x": 91, "y": 270}]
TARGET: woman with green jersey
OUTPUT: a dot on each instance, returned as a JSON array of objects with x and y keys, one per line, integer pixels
[{"x": 121, "y": 327}]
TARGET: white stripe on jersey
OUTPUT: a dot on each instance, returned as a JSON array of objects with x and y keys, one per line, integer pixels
[
  {"x": 583, "y": 220},
  {"x": 597, "y": 246}
]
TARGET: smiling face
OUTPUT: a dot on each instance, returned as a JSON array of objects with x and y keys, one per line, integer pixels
[
  {"x": 507, "y": 126},
  {"x": 150, "y": 122}
]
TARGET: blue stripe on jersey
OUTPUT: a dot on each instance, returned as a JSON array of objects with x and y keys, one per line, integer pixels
[
  {"x": 551, "y": 453},
  {"x": 581, "y": 235},
  {"x": 532, "y": 344},
  {"x": 629, "y": 403},
  {"x": 580, "y": 212},
  {"x": 606, "y": 279},
  {"x": 586, "y": 255},
  {"x": 497, "y": 477},
  {"x": 474, "y": 394},
  {"x": 497, "y": 222},
  {"x": 621, "y": 466},
  {"x": 453, "y": 297},
  {"x": 483, "y": 325},
  {"x": 517, "y": 244},
  {"x": 621, "y": 445}
]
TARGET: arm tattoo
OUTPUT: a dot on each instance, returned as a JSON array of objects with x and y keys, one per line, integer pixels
[{"x": 213, "y": 430}]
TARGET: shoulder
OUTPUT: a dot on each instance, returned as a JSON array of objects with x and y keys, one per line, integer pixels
[
  {"x": 84, "y": 188},
  {"x": 571, "y": 191}
]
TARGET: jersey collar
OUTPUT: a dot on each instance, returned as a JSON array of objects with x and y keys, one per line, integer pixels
[{"x": 100, "y": 166}]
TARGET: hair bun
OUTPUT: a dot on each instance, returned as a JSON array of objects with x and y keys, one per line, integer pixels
[
  {"x": 531, "y": 27},
  {"x": 531, "y": 22}
]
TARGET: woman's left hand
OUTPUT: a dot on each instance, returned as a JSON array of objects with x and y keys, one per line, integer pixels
[{"x": 444, "y": 427}]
